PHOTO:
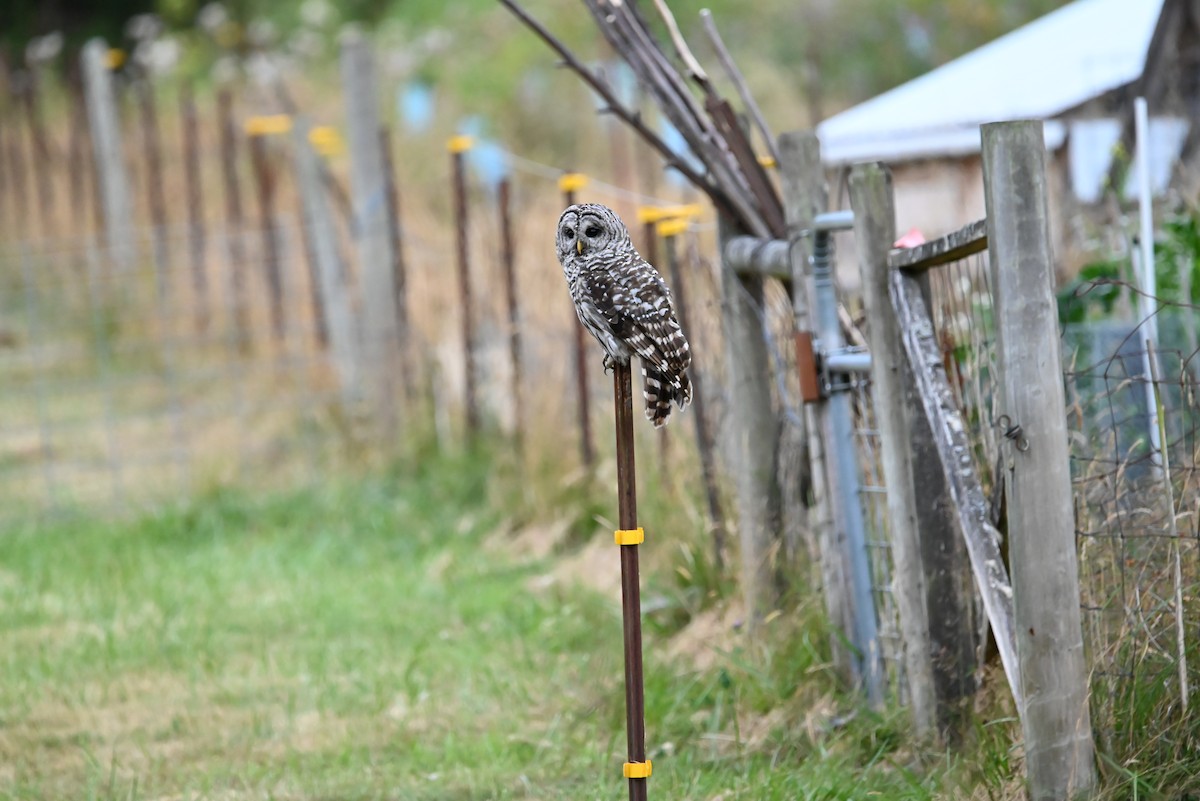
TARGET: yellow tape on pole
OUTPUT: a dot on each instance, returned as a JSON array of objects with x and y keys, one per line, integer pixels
[
  {"x": 632, "y": 537},
  {"x": 638, "y": 770},
  {"x": 572, "y": 182},
  {"x": 460, "y": 144}
]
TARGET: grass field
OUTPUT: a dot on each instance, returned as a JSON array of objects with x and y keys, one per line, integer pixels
[{"x": 401, "y": 637}]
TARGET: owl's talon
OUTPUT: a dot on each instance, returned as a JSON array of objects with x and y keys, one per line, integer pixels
[{"x": 609, "y": 364}]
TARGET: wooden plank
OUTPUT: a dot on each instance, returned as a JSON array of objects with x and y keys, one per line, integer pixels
[
  {"x": 949, "y": 434},
  {"x": 873, "y": 202},
  {"x": 954, "y": 246},
  {"x": 1055, "y": 717}
]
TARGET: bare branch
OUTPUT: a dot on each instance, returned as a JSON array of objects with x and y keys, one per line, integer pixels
[
  {"x": 739, "y": 81},
  {"x": 681, "y": 47},
  {"x": 601, "y": 88}
]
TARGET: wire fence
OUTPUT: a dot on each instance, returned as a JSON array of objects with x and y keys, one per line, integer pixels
[{"x": 1136, "y": 504}]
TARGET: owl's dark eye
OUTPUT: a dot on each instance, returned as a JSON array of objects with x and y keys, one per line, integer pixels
[
  {"x": 567, "y": 233},
  {"x": 592, "y": 231}
]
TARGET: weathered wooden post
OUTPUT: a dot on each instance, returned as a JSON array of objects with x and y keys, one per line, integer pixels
[
  {"x": 802, "y": 180},
  {"x": 343, "y": 333},
  {"x": 368, "y": 185},
  {"x": 753, "y": 429},
  {"x": 874, "y": 231},
  {"x": 569, "y": 184},
  {"x": 1055, "y": 716},
  {"x": 670, "y": 230},
  {"x": 264, "y": 176},
  {"x": 108, "y": 155}
]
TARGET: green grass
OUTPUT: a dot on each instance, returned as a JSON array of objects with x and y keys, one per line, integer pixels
[{"x": 379, "y": 639}]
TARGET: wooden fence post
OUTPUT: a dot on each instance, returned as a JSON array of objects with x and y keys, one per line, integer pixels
[
  {"x": 190, "y": 125},
  {"x": 239, "y": 303},
  {"x": 108, "y": 154},
  {"x": 458, "y": 146},
  {"x": 803, "y": 182},
  {"x": 1055, "y": 713},
  {"x": 753, "y": 430},
  {"x": 368, "y": 186},
  {"x": 874, "y": 231},
  {"x": 264, "y": 176},
  {"x": 343, "y": 334}
]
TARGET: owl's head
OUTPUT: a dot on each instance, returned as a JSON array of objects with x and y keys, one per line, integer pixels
[{"x": 588, "y": 228}]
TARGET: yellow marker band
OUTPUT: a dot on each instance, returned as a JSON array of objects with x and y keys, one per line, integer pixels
[
  {"x": 638, "y": 770},
  {"x": 672, "y": 227},
  {"x": 650, "y": 214},
  {"x": 115, "y": 57},
  {"x": 572, "y": 182},
  {"x": 327, "y": 141},
  {"x": 767, "y": 161},
  {"x": 459, "y": 144},
  {"x": 268, "y": 124},
  {"x": 632, "y": 537}
]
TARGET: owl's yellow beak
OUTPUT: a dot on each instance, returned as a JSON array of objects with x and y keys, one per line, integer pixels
[{"x": 579, "y": 246}]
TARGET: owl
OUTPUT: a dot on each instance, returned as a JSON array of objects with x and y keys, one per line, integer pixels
[{"x": 625, "y": 304}]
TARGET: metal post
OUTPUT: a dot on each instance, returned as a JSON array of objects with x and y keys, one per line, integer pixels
[
  {"x": 155, "y": 199},
  {"x": 670, "y": 231},
  {"x": 195, "y": 201},
  {"x": 514, "y": 311},
  {"x": 264, "y": 175},
  {"x": 457, "y": 146},
  {"x": 569, "y": 184},
  {"x": 40, "y": 149},
  {"x": 631, "y": 601},
  {"x": 848, "y": 508},
  {"x": 233, "y": 214}
]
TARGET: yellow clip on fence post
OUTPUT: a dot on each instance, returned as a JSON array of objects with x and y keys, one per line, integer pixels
[
  {"x": 651, "y": 214},
  {"x": 572, "y": 182},
  {"x": 632, "y": 537},
  {"x": 268, "y": 124},
  {"x": 460, "y": 144},
  {"x": 767, "y": 161},
  {"x": 638, "y": 770},
  {"x": 672, "y": 227}
]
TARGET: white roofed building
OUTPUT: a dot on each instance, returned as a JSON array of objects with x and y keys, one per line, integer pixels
[{"x": 1077, "y": 68}]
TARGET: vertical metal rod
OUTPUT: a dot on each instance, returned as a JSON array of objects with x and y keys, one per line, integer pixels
[
  {"x": 464, "y": 282},
  {"x": 195, "y": 201},
  {"x": 233, "y": 214},
  {"x": 716, "y": 516},
  {"x": 266, "y": 210},
  {"x": 396, "y": 237},
  {"x": 155, "y": 199},
  {"x": 842, "y": 454},
  {"x": 5, "y": 185},
  {"x": 40, "y": 150},
  {"x": 1146, "y": 275},
  {"x": 583, "y": 402},
  {"x": 16, "y": 172},
  {"x": 631, "y": 601},
  {"x": 77, "y": 172},
  {"x": 514, "y": 312}
]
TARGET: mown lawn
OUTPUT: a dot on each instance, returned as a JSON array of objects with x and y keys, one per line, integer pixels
[{"x": 388, "y": 638}]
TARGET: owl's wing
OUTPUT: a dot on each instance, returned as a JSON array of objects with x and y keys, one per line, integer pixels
[{"x": 636, "y": 304}]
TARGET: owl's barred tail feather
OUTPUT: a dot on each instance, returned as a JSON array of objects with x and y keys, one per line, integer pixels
[{"x": 661, "y": 390}]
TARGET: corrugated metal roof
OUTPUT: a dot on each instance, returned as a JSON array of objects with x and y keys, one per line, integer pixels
[{"x": 1046, "y": 67}]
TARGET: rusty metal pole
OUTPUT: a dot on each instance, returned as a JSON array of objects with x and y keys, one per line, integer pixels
[
  {"x": 42, "y": 160},
  {"x": 457, "y": 146},
  {"x": 264, "y": 176},
  {"x": 233, "y": 212},
  {"x": 670, "y": 231},
  {"x": 514, "y": 311},
  {"x": 155, "y": 198},
  {"x": 569, "y": 184},
  {"x": 396, "y": 237},
  {"x": 78, "y": 163},
  {"x": 195, "y": 200},
  {"x": 637, "y": 768}
]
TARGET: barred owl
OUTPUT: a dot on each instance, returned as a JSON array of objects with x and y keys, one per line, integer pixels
[{"x": 625, "y": 304}]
